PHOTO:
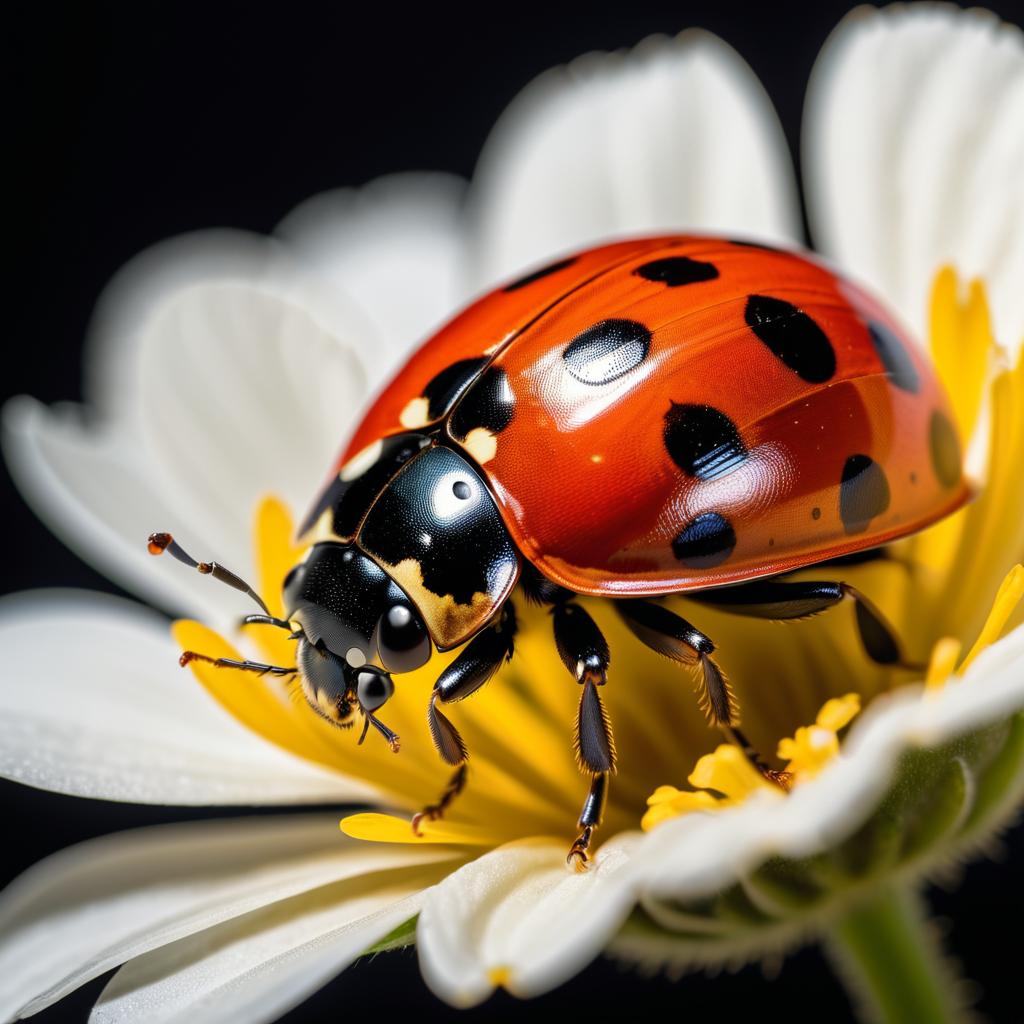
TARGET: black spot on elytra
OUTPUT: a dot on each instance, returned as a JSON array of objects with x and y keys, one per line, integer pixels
[
  {"x": 702, "y": 441},
  {"x": 674, "y": 271},
  {"x": 350, "y": 499},
  {"x": 460, "y": 544},
  {"x": 489, "y": 403},
  {"x": 536, "y": 275},
  {"x": 444, "y": 389},
  {"x": 863, "y": 493},
  {"x": 895, "y": 358},
  {"x": 793, "y": 336},
  {"x": 705, "y": 542},
  {"x": 815, "y": 512},
  {"x": 606, "y": 351},
  {"x": 944, "y": 446}
]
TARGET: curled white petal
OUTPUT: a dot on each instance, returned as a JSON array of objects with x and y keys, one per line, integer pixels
[
  {"x": 93, "y": 906},
  {"x": 676, "y": 134},
  {"x": 213, "y": 380},
  {"x": 256, "y": 967},
  {"x": 517, "y": 916},
  {"x": 700, "y": 853},
  {"x": 913, "y": 147},
  {"x": 93, "y": 703}
]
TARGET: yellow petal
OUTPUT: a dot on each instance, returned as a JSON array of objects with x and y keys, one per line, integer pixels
[
  {"x": 386, "y": 828},
  {"x": 275, "y": 555},
  {"x": 1010, "y": 592},
  {"x": 961, "y": 343},
  {"x": 259, "y": 703},
  {"x": 942, "y": 662}
]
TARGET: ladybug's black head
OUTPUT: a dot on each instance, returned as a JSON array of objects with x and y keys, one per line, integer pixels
[
  {"x": 409, "y": 551},
  {"x": 357, "y": 626}
]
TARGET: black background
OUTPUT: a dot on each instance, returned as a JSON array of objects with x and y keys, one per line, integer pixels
[{"x": 130, "y": 125}]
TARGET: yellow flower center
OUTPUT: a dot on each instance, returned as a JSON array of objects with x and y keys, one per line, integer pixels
[{"x": 940, "y": 588}]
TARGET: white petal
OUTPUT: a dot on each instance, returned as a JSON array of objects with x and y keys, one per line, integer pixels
[
  {"x": 675, "y": 134},
  {"x": 520, "y": 917},
  {"x": 254, "y": 968},
  {"x": 92, "y": 489},
  {"x": 93, "y": 703},
  {"x": 913, "y": 154},
  {"x": 394, "y": 246},
  {"x": 214, "y": 383},
  {"x": 89, "y": 908},
  {"x": 257, "y": 399},
  {"x": 698, "y": 854}
]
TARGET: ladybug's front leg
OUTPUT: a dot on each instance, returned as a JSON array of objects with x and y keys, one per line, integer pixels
[
  {"x": 584, "y": 652},
  {"x": 480, "y": 659}
]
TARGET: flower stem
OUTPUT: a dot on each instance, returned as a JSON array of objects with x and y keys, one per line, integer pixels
[{"x": 889, "y": 956}]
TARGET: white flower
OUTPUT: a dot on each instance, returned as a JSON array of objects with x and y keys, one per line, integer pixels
[{"x": 224, "y": 367}]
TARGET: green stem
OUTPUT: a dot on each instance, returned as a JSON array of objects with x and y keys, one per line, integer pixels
[{"x": 889, "y": 956}]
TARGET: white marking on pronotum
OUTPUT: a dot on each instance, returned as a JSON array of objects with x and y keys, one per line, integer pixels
[{"x": 355, "y": 657}]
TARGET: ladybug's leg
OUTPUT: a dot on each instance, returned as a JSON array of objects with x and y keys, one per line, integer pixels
[
  {"x": 672, "y": 636},
  {"x": 775, "y": 599},
  {"x": 477, "y": 662},
  {"x": 584, "y": 652},
  {"x": 246, "y": 666}
]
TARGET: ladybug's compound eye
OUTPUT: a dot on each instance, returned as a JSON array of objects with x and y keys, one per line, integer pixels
[
  {"x": 373, "y": 688},
  {"x": 402, "y": 639}
]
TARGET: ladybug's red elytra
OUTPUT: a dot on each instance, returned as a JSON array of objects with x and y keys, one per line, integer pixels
[{"x": 643, "y": 418}]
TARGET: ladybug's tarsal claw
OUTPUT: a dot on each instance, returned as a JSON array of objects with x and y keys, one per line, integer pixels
[
  {"x": 577, "y": 857},
  {"x": 430, "y": 813},
  {"x": 433, "y": 812}
]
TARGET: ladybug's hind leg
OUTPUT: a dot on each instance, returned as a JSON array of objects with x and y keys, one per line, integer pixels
[
  {"x": 474, "y": 666},
  {"x": 673, "y": 637},
  {"x": 800, "y": 599},
  {"x": 584, "y": 652}
]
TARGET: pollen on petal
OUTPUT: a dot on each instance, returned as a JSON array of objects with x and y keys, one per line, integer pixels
[
  {"x": 668, "y": 802},
  {"x": 838, "y": 712},
  {"x": 812, "y": 747},
  {"x": 728, "y": 771}
]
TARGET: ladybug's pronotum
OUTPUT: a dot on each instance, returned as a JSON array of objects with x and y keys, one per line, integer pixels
[{"x": 640, "y": 419}]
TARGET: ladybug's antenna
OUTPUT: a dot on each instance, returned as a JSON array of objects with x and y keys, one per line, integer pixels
[{"x": 161, "y": 542}]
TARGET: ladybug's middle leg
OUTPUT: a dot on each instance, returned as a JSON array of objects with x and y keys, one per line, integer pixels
[
  {"x": 675, "y": 638},
  {"x": 474, "y": 666},
  {"x": 584, "y": 652}
]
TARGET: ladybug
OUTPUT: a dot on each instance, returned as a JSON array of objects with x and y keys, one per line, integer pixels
[{"x": 665, "y": 415}]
